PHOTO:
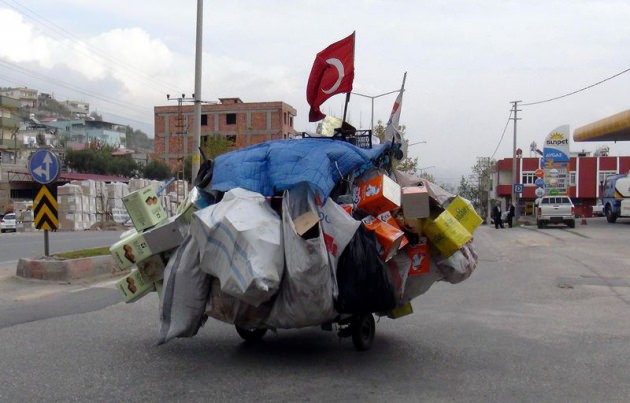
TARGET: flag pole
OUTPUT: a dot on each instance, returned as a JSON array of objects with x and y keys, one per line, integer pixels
[{"x": 345, "y": 108}]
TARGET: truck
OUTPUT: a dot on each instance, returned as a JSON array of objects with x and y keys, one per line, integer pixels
[
  {"x": 616, "y": 197},
  {"x": 555, "y": 210}
]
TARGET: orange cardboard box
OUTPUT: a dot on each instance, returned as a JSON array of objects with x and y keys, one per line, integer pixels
[
  {"x": 388, "y": 237},
  {"x": 389, "y": 219},
  {"x": 377, "y": 195},
  {"x": 419, "y": 255},
  {"x": 415, "y": 201}
]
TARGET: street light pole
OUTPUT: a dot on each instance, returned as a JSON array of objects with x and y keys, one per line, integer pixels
[{"x": 372, "y": 97}]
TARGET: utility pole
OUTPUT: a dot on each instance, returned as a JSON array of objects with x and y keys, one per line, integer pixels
[
  {"x": 196, "y": 156},
  {"x": 515, "y": 200}
]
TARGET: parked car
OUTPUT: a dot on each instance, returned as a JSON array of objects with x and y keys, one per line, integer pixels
[
  {"x": 598, "y": 210},
  {"x": 8, "y": 223},
  {"x": 555, "y": 210}
]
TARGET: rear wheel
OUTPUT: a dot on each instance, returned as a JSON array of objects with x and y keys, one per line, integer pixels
[
  {"x": 363, "y": 329},
  {"x": 250, "y": 334},
  {"x": 610, "y": 216},
  {"x": 539, "y": 224},
  {"x": 571, "y": 223}
]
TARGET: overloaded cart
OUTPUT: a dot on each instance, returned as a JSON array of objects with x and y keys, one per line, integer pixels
[{"x": 297, "y": 233}]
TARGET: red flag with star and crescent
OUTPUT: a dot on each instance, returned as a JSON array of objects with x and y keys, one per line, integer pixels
[{"x": 332, "y": 73}]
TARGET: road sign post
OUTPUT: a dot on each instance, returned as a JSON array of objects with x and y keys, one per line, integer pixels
[{"x": 44, "y": 168}]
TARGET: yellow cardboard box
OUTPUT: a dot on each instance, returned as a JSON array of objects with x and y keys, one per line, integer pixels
[
  {"x": 134, "y": 286},
  {"x": 465, "y": 213},
  {"x": 446, "y": 233}
]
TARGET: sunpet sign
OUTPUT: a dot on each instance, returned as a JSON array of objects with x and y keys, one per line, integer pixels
[{"x": 557, "y": 145}]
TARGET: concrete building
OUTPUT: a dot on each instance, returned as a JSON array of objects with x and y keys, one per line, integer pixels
[
  {"x": 242, "y": 123},
  {"x": 27, "y": 97},
  {"x": 79, "y": 133},
  {"x": 9, "y": 123}
]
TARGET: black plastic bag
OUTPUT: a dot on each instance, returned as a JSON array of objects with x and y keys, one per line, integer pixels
[{"x": 365, "y": 283}]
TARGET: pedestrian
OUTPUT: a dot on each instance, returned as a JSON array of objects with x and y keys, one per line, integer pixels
[
  {"x": 496, "y": 215},
  {"x": 510, "y": 215}
]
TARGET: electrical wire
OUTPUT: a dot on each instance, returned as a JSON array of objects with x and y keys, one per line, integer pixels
[
  {"x": 84, "y": 48},
  {"x": 503, "y": 134},
  {"x": 575, "y": 92}
]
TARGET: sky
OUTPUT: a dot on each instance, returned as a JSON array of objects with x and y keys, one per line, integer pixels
[{"x": 466, "y": 61}]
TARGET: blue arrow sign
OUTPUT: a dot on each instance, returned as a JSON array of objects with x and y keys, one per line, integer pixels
[
  {"x": 518, "y": 188},
  {"x": 44, "y": 166}
]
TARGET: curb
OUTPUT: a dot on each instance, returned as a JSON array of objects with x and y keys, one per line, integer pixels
[{"x": 52, "y": 269}]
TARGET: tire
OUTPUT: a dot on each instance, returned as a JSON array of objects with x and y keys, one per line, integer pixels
[
  {"x": 1, "y": 231},
  {"x": 363, "y": 329},
  {"x": 610, "y": 216},
  {"x": 571, "y": 223},
  {"x": 539, "y": 224},
  {"x": 250, "y": 334}
]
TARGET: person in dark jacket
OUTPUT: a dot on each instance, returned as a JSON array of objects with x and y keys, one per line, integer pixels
[
  {"x": 496, "y": 215},
  {"x": 510, "y": 215}
]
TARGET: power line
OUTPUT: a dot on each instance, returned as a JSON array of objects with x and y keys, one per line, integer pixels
[
  {"x": 503, "y": 134},
  {"x": 83, "y": 47},
  {"x": 575, "y": 92}
]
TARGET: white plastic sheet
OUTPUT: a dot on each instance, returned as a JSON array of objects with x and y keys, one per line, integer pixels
[
  {"x": 306, "y": 295},
  {"x": 240, "y": 243}
]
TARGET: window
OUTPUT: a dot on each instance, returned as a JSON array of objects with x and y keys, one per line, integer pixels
[
  {"x": 572, "y": 178},
  {"x": 529, "y": 178},
  {"x": 230, "y": 119},
  {"x": 204, "y": 120},
  {"x": 604, "y": 174}
]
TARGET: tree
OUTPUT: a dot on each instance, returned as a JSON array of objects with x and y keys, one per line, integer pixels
[
  {"x": 215, "y": 145},
  {"x": 158, "y": 170}
]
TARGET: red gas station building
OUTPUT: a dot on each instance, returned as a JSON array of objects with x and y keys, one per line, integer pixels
[{"x": 585, "y": 173}]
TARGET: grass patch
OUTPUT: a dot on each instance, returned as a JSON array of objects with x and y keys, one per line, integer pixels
[{"x": 77, "y": 254}]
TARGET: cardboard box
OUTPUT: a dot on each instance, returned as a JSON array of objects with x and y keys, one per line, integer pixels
[
  {"x": 130, "y": 250},
  {"x": 400, "y": 311},
  {"x": 134, "y": 286},
  {"x": 168, "y": 234},
  {"x": 389, "y": 219},
  {"x": 377, "y": 195},
  {"x": 465, "y": 213},
  {"x": 144, "y": 208},
  {"x": 446, "y": 233},
  {"x": 152, "y": 268},
  {"x": 305, "y": 222},
  {"x": 415, "y": 201},
  {"x": 419, "y": 255},
  {"x": 388, "y": 237}
]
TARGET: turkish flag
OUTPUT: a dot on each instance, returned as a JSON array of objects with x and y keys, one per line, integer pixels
[{"x": 332, "y": 73}]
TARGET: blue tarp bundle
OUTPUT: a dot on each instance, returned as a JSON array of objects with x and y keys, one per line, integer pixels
[{"x": 278, "y": 165}]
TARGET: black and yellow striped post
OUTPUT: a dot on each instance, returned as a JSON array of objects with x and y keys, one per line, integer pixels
[{"x": 45, "y": 212}]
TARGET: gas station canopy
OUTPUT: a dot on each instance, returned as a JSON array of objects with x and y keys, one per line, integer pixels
[{"x": 612, "y": 128}]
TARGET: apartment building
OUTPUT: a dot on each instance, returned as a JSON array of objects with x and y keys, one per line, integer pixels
[{"x": 242, "y": 123}]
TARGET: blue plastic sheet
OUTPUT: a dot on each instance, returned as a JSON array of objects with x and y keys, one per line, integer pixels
[{"x": 278, "y": 165}]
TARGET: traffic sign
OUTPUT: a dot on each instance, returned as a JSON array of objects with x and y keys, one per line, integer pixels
[
  {"x": 45, "y": 210},
  {"x": 540, "y": 182},
  {"x": 539, "y": 173},
  {"x": 540, "y": 192},
  {"x": 518, "y": 188},
  {"x": 44, "y": 166},
  {"x": 553, "y": 192}
]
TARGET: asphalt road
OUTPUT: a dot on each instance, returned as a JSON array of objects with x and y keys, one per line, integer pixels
[{"x": 544, "y": 318}]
